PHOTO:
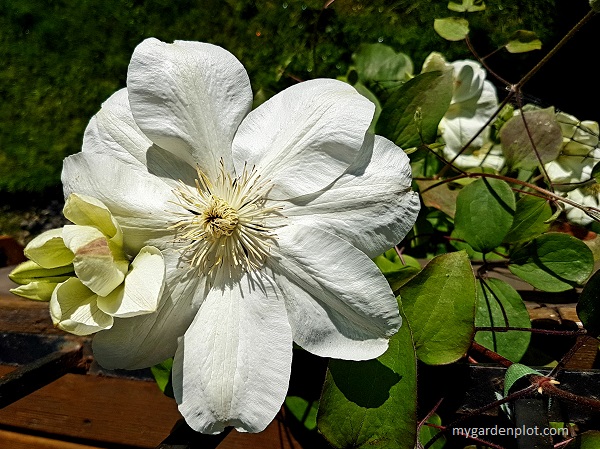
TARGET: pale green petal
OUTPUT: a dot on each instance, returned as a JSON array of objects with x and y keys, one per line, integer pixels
[
  {"x": 94, "y": 263},
  {"x": 37, "y": 290},
  {"x": 30, "y": 271},
  {"x": 142, "y": 288},
  {"x": 48, "y": 250},
  {"x": 85, "y": 210},
  {"x": 73, "y": 309}
]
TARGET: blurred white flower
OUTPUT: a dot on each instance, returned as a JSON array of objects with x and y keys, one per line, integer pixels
[
  {"x": 84, "y": 272},
  {"x": 474, "y": 101},
  {"x": 579, "y": 153},
  {"x": 267, "y": 221}
]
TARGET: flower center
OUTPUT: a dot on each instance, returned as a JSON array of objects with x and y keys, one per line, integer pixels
[
  {"x": 220, "y": 219},
  {"x": 226, "y": 225}
]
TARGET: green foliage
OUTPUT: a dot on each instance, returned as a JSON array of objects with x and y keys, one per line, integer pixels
[
  {"x": 553, "y": 262},
  {"x": 162, "y": 376},
  {"x": 587, "y": 440},
  {"x": 426, "y": 433},
  {"x": 439, "y": 304},
  {"x": 372, "y": 404},
  {"x": 62, "y": 60},
  {"x": 452, "y": 28},
  {"x": 484, "y": 213},
  {"x": 515, "y": 372},
  {"x": 520, "y": 142},
  {"x": 397, "y": 271},
  {"x": 304, "y": 411},
  {"x": 500, "y": 305},
  {"x": 588, "y": 307},
  {"x": 413, "y": 111},
  {"x": 523, "y": 41},
  {"x": 531, "y": 219}
]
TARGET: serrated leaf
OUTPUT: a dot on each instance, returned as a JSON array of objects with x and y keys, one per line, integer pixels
[
  {"x": 439, "y": 304},
  {"x": 588, "y": 307},
  {"x": 372, "y": 404},
  {"x": 530, "y": 219},
  {"x": 515, "y": 372},
  {"x": 553, "y": 262},
  {"x": 304, "y": 411},
  {"x": 542, "y": 129},
  {"x": 452, "y": 28},
  {"x": 467, "y": 6},
  {"x": 426, "y": 433},
  {"x": 484, "y": 213},
  {"x": 427, "y": 95},
  {"x": 496, "y": 300}
]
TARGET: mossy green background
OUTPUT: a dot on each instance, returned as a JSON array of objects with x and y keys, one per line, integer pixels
[{"x": 60, "y": 59}]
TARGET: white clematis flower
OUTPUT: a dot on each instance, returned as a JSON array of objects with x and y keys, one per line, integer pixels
[
  {"x": 84, "y": 272},
  {"x": 589, "y": 196},
  {"x": 579, "y": 153},
  {"x": 267, "y": 220},
  {"x": 474, "y": 101}
]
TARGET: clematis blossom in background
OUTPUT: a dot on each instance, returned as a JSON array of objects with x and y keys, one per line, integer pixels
[
  {"x": 474, "y": 101},
  {"x": 85, "y": 274},
  {"x": 267, "y": 220}
]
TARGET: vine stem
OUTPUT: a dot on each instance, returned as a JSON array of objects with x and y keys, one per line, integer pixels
[
  {"x": 468, "y": 437},
  {"x": 590, "y": 211},
  {"x": 516, "y": 87},
  {"x": 532, "y": 330}
]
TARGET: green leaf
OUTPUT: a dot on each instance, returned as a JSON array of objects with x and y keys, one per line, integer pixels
[
  {"x": 452, "y": 28},
  {"x": 587, "y": 440},
  {"x": 484, "y": 213},
  {"x": 553, "y": 262},
  {"x": 372, "y": 404},
  {"x": 439, "y": 304},
  {"x": 530, "y": 219},
  {"x": 588, "y": 307},
  {"x": 515, "y": 372},
  {"x": 396, "y": 271},
  {"x": 441, "y": 197},
  {"x": 467, "y": 6},
  {"x": 162, "y": 376},
  {"x": 380, "y": 63},
  {"x": 426, "y": 433},
  {"x": 496, "y": 300},
  {"x": 303, "y": 410},
  {"x": 542, "y": 129},
  {"x": 595, "y": 5},
  {"x": 426, "y": 96},
  {"x": 523, "y": 41}
]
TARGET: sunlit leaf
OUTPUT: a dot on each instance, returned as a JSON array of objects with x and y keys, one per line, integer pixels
[
  {"x": 439, "y": 304},
  {"x": 304, "y": 411},
  {"x": 452, "y": 28},
  {"x": 397, "y": 271},
  {"x": 530, "y": 220},
  {"x": 484, "y": 213},
  {"x": 428, "y": 96},
  {"x": 542, "y": 129},
  {"x": 588, "y": 307},
  {"x": 162, "y": 376},
  {"x": 587, "y": 440},
  {"x": 553, "y": 262},
  {"x": 381, "y": 63},
  {"x": 372, "y": 404},
  {"x": 523, "y": 41},
  {"x": 497, "y": 300}
]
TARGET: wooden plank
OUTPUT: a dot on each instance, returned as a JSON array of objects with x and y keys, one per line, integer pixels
[
  {"x": 14, "y": 440},
  {"x": 91, "y": 408}
]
